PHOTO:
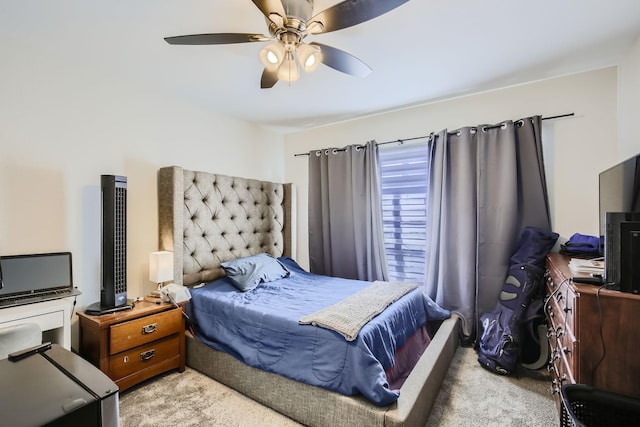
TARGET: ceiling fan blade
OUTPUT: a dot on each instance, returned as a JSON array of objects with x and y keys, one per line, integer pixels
[
  {"x": 343, "y": 61},
  {"x": 269, "y": 78},
  {"x": 351, "y": 12},
  {"x": 219, "y": 38},
  {"x": 269, "y": 7}
]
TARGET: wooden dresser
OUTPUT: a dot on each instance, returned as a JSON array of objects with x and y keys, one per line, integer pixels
[
  {"x": 134, "y": 345},
  {"x": 594, "y": 333}
]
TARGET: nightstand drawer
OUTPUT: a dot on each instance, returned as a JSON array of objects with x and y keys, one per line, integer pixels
[
  {"x": 137, "y": 332},
  {"x": 144, "y": 356}
]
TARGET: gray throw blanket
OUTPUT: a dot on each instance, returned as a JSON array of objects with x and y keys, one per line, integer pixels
[{"x": 348, "y": 316}]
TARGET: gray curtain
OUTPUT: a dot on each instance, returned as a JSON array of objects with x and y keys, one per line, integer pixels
[
  {"x": 486, "y": 183},
  {"x": 345, "y": 213}
]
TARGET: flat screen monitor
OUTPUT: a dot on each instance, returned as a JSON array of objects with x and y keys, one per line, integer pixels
[
  {"x": 619, "y": 189},
  {"x": 619, "y": 194}
]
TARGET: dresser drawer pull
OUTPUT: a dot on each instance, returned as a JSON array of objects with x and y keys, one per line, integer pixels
[
  {"x": 560, "y": 380},
  {"x": 550, "y": 333},
  {"x": 559, "y": 331},
  {"x": 149, "y": 329},
  {"x": 147, "y": 355}
]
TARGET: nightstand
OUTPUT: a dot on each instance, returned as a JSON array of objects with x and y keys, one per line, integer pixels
[{"x": 134, "y": 345}]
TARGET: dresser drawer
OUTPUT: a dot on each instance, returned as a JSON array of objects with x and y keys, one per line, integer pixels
[
  {"x": 555, "y": 311},
  {"x": 561, "y": 307},
  {"x": 137, "y": 332},
  {"x": 561, "y": 372},
  {"x": 143, "y": 357}
]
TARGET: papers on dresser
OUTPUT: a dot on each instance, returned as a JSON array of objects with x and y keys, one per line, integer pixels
[{"x": 588, "y": 266}]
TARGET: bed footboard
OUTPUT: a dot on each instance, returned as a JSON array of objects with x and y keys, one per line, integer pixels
[{"x": 314, "y": 406}]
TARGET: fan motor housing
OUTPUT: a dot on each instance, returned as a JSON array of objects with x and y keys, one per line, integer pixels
[{"x": 299, "y": 9}]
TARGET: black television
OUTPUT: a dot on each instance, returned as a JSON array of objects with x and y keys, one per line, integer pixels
[{"x": 619, "y": 194}]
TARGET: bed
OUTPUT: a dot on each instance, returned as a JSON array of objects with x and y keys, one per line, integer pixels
[{"x": 206, "y": 219}]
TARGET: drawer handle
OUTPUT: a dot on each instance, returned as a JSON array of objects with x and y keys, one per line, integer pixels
[
  {"x": 559, "y": 331},
  {"x": 147, "y": 355},
  {"x": 550, "y": 312},
  {"x": 149, "y": 329}
]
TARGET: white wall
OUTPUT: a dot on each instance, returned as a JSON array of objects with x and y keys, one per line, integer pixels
[
  {"x": 629, "y": 104},
  {"x": 63, "y": 124},
  {"x": 576, "y": 148}
]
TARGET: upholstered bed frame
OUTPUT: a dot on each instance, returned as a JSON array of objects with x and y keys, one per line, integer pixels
[{"x": 206, "y": 219}]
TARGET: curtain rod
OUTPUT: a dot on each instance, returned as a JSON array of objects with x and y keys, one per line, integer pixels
[{"x": 401, "y": 141}]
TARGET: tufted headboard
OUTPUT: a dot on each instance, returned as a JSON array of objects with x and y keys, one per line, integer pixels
[{"x": 206, "y": 219}]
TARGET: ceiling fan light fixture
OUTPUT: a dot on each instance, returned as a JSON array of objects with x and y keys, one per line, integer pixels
[
  {"x": 288, "y": 70},
  {"x": 310, "y": 56},
  {"x": 272, "y": 55}
]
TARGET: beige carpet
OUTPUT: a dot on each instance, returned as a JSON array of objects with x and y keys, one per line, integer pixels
[{"x": 470, "y": 396}]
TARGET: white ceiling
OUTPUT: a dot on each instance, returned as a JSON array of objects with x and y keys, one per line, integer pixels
[{"x": 419, "y": 52}]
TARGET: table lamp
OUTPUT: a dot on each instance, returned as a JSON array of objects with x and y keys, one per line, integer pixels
[{"x": 160, "y": 271}]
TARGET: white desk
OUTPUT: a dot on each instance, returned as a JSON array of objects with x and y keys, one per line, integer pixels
[{"x": 53, "y": 317}]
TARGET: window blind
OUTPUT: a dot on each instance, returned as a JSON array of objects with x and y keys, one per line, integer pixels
[{"x": 404, "y": 204}]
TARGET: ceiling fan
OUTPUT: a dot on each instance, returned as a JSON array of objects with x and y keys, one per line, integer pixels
[{"x": 289, "y": 22}]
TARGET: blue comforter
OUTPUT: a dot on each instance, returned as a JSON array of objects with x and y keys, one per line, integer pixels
[{"x": 260, "y": 327}]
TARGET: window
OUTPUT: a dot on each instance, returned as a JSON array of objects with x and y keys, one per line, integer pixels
[{"x": 404, "y": 208}]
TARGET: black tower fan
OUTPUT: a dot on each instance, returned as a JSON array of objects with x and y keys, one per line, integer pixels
[{"x": 113, "y": 289}]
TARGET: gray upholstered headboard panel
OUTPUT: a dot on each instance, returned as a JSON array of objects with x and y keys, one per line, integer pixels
[{"x": 206, "y": 219}]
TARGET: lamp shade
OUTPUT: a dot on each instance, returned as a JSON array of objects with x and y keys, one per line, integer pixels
[
  {"x": 272, "y": 55},
  {"x": 288, "y": 70},
  {"x": 160, "y": 266},
  {"x": 310, "y": 56}
]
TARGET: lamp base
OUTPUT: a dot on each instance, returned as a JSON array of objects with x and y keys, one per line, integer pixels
[
  {"x": 154, "y": 297},
  {"x": 155, "y": 300}
]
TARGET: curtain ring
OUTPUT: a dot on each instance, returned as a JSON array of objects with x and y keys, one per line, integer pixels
[
  {"x": 326, "y": 152},
  {"x": 359, "y": 147},
  {"x": 484, "y": 128},
  {"x": 334, "y": 151},
  {"x": 473, "y": 131},
  {"x": 318, "y": 153},
  {"x": 503, "y": 126},
  {"x": 520, "y": 123}
]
